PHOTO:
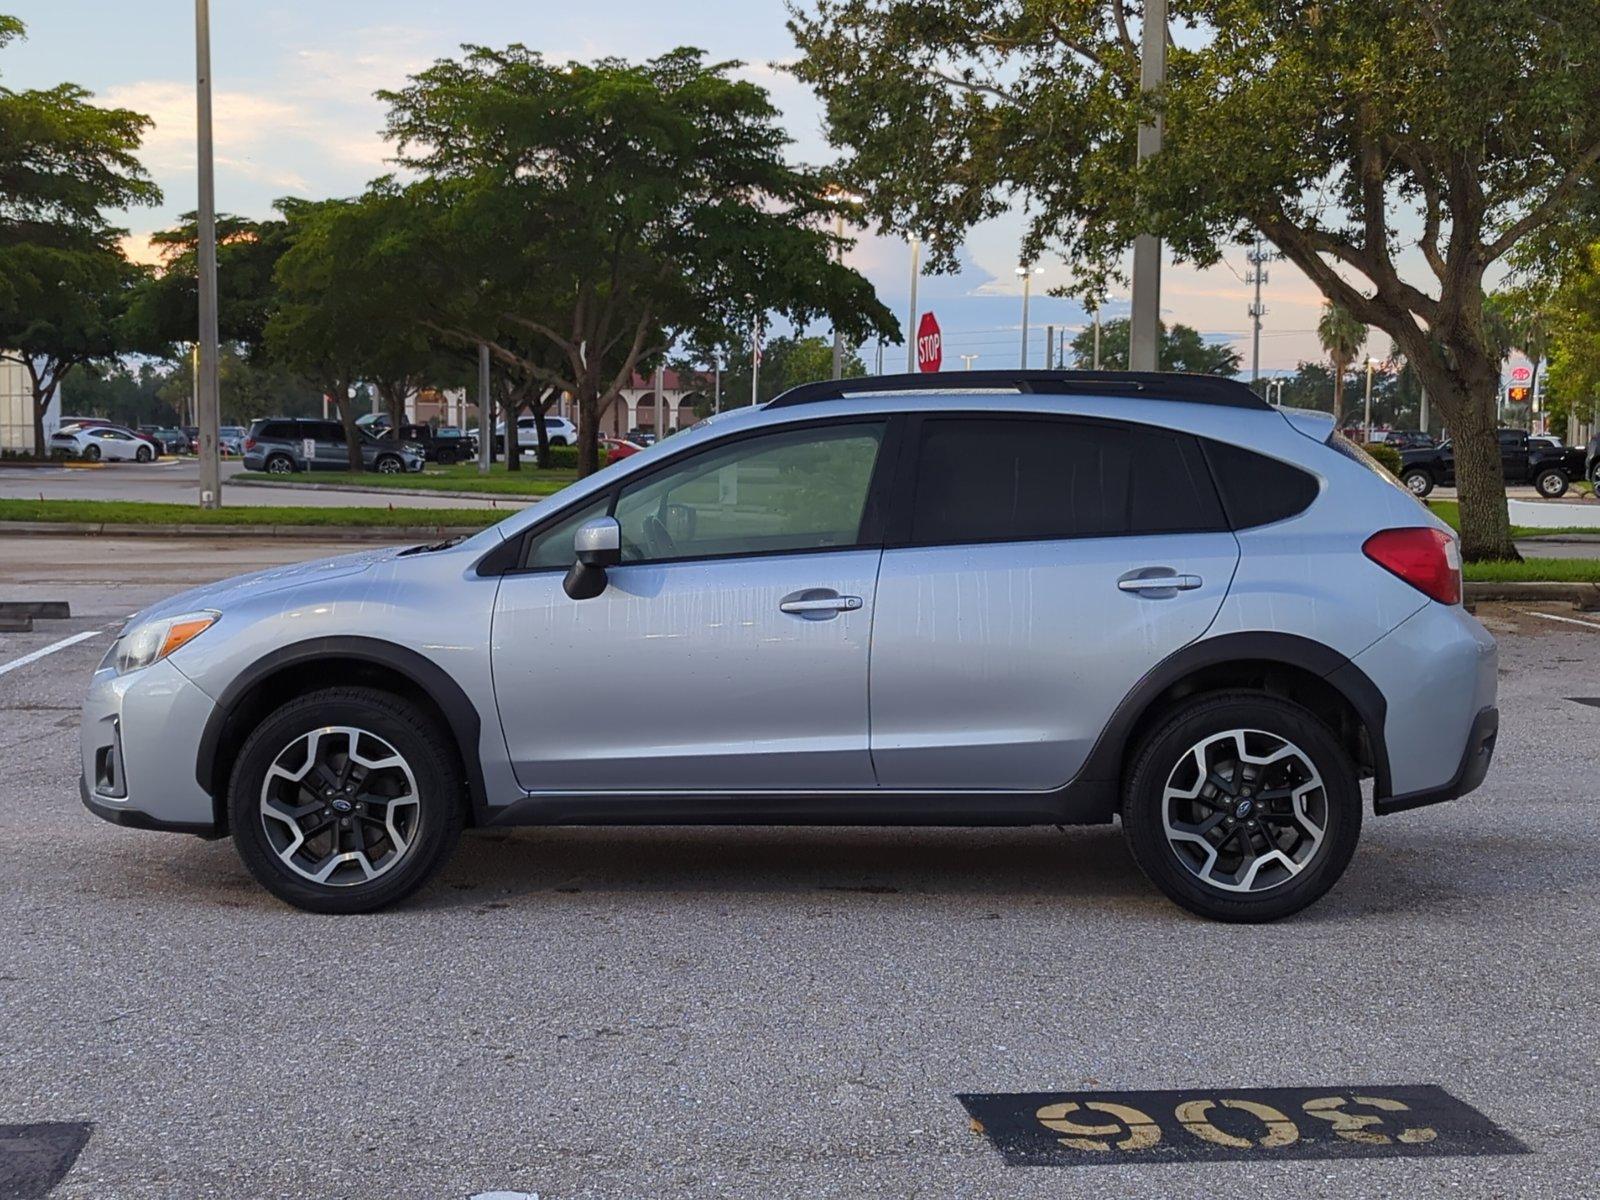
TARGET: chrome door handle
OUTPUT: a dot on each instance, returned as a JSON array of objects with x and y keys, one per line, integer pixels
[
  {"x": 1161, "y": 583},
  {"x": 822, "y": 604}
]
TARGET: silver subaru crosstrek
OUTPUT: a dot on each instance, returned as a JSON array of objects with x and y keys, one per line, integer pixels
[{"x": 992, "y": 598}]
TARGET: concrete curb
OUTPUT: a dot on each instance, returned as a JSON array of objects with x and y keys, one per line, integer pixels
[
  {"x": 1563, "y": 539},
  {"x": 1587, "y": 594},
  {"x": 488, "y": 499},
  {"x": 320, "y": 533}
]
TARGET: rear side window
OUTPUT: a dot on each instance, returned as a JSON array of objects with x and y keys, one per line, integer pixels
[
  {"x": 276, "y": 430},
  {"x": 1256, "y": 489},
  {"x": 987, "y": 479}
]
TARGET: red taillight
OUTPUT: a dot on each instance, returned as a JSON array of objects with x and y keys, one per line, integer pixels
[
  {"x": 249, "y": 443},
  {"x": 1427, "y": 559}
]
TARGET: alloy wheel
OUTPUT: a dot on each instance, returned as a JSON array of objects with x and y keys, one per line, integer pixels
[
  {"x": 340, "y": 806},
  {"x": 1417, "y": 484},
  {"x": 279, "y": 466},
  {"x": 1245, "y": 810}
]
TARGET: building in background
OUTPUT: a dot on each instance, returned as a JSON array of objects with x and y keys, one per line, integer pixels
[{"x": 16, "y": 410}]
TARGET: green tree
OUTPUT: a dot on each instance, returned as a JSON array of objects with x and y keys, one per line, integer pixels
[
  {"x": 1182, "y": 349},
  {"x": 786, "y": 361},
  {"x": 1317, "y": 126},
  {"x": 1574, "y": 348},
  {"x": 1342, "y": 337},
  {"x": 64, "y": 161},
  {"x": 648, "y": 204}
]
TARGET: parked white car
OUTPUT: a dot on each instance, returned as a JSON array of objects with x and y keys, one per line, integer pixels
[
  {"x": 561, "y": 432},
  {"x": 102, "y": 442}
]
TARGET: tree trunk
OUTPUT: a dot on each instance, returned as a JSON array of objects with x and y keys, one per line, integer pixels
[
  {"x": 541, "y": 436},
  {"x": 510, "y": 405},
  {"x": 394, "y": 399},
  {"x": 1338, "y": 394},
  {"x": 588, "y": 427},
  {"x": 1464, "y": 393},
  {"x": 41, "y": 448},
  {"x": 346, "y": 405}
]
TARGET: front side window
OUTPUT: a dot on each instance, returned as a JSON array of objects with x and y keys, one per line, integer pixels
[
  {"x": 987, "y": 480},
  {"x": 801, "y": 489},
  {"x": 552, "y": 547}
]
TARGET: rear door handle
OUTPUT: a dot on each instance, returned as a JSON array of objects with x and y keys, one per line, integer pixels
[
  {"x": 1160, "y": 583},
  {"x": 821, "y": 604}
]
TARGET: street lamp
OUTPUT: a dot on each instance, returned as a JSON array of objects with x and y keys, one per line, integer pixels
[
  {"x": 840, "y": 197},
  {"x": 1027, "y": 273},
  {"x": 967, "y": 360},
  {"x": 911, "y": 316},
  {"x": 1371, "y": 363},
  {"x": 207, "y": 402}
]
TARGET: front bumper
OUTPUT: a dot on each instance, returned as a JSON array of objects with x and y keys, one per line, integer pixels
[
  {"x": 1469, "y": 774},
  {"x": 139, "y": 742}
]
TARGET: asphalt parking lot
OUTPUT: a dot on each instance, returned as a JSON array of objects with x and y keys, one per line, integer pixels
[{"x": 772, "y": 1012}]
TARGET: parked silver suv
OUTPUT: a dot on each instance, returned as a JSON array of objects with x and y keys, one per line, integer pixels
[{"x": 977, "y": 599}]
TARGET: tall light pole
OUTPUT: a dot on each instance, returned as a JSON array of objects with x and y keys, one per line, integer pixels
[
  {"x": 911, "y": 315},
  {"x": 1050, "y": 347},
  {"x": 485, "y": 411},
  {"x": 1027, "y": 272},
  {"x": 207, "y": 400},
  {"x": 1097, "y": 339},
  {"x": 716, "y": 383},
  {"x": 967, "y": 360},
  {"x": 1145, "y": 322},
  {"x": 1371, "y": 362}
]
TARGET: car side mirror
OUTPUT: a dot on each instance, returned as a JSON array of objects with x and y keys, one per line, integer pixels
[{"x": 597, "y": 545}]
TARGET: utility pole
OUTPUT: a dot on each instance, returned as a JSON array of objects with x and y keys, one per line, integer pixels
[
  {"x": 207, "y": 398},
  {"x": 485, "y": 411},
  {"x": 1144, "y": 326},
  {"x": 661, "y": 402},
  {"x": 1097, "y": 339},
  {"x": 1027, "y": 272},
  {"x": 1371, "y": 362},
  {"x": 880, "y": 356},
  {"x": 1258, "y": 256},
  {"x": 911, "y": 316},
  {"x": 716, "y": 384},
  {"x": 1049, "y": 347},
  {"x": 755, "y": 357}
]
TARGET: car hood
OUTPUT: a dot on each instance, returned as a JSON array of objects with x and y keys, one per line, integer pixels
[{"x": 224, "y": 592}]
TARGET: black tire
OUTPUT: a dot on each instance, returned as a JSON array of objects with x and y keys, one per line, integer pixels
[
  {"x": 446, "y": 458},
  {"x": 1418, "y": 481},
  {"x": 388, "y": 464},
  {"x": 143, "y": 454},
  {"x": 1161, "y": 757},
  {"x": 279, "y": 464},
  {"x": 1551, "y": 483},
  {"x": 91, "y": 453},
  {"x": 440, "y": 811}
]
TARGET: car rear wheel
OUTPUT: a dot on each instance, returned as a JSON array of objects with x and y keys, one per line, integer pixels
[
  {"x": 91, "y": 452},
  {"x": 446, "y": 458},
  {"x": 1551, "y": 483},
  {"x": 1418, "y": 482},
  {"x": 1242, "y": 807},
  {"x": 388, "y": 464},
  {"x": 280, "y": 464},
  {"x": 345, "y": 800}
]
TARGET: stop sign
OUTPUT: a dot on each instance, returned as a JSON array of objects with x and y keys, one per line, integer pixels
[{"x": 930, "y": 343}]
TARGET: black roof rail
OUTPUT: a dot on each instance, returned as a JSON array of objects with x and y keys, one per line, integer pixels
[{"x": 1145, "y": 385}]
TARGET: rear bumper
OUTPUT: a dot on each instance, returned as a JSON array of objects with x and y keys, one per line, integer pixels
[{"x": 1469, "y": 774}]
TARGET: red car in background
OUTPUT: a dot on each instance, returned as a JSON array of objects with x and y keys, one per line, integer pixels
[{"x": 618, "y": 449}]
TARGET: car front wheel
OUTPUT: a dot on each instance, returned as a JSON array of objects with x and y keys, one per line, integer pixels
[
  {"x": 142, "y": 454},
  {"x": 389, "y": 465},
  {"x": 345, "y": 800},
  {"x": 1418, "y": 482},
  {"x": 1242, "y": 807},
  {"x": 1551, "y": 484}
]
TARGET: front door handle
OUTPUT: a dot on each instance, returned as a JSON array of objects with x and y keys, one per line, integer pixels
[
  {"x": 821, "y": 604},
  {"x": 1160, "y": 583}
]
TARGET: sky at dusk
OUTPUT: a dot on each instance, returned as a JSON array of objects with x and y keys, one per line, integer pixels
[{"x": 295, "y": 115}]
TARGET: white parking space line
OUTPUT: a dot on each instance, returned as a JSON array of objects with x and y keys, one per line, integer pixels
[
  {"x": 1564, "y": 620},
  {"x": 52, "y": 648}
]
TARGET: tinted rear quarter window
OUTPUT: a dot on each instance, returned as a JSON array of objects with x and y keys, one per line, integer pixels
[
  {"x": 1257, "y": 489},
  {"x": 1004, "y": 479}
]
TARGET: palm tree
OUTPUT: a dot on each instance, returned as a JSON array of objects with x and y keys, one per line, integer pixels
[{"x": 1342, "y": 337}]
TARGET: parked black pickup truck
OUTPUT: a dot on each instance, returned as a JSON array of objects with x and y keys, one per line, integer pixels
[{"x": 1551, "y": 470}]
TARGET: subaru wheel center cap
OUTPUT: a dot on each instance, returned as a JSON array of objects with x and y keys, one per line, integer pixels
[{"x": 1245, "y": 807}]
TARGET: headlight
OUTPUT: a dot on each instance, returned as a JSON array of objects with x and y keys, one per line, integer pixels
[{"x": 152, "y": 641}]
